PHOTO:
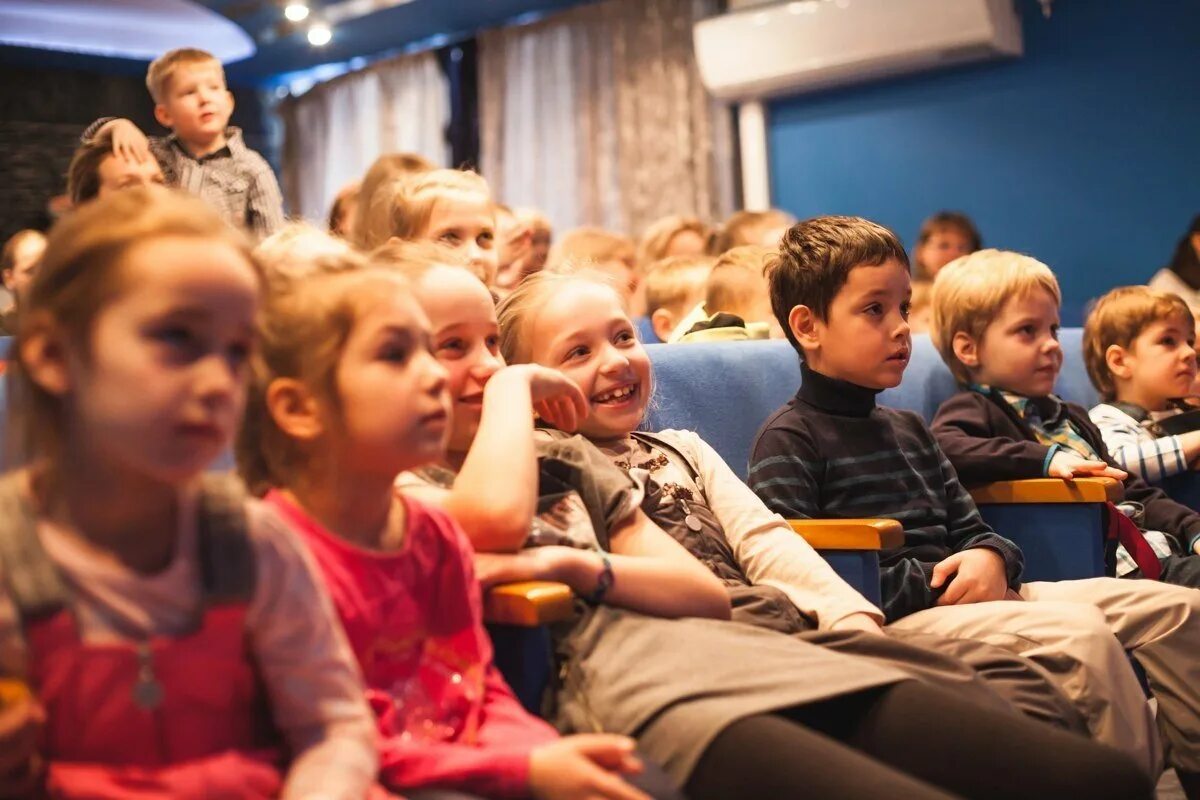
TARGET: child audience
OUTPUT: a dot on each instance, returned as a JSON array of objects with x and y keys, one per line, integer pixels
[
  {"x": 840, "y": 288},
  {"x": 674, "y": 288},
  {"x": 96, "y": 171},
  {"x": 170, "y": 636},
  {"x": 607, "y": 252},
  {"x": 944, "y": 237},
  {"x": 1139, "y": 348},
  {"x": 671, "y": 236},
  {"x": 18, "y": 262},
  {"x": 750, "y": 227},
  {"x": 164, "y": 633},
  {"x": 737, "y": 304},
  {"x": 203, "y": 155},
  {"x": 372, "y": 221},
  {"x": 995, "y": 320},
  {"x": 448, "y": 206}
]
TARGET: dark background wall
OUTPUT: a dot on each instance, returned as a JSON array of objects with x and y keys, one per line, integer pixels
[
  {"x": 43, "y": 109},
  {"x": 1084, "y": 153}
]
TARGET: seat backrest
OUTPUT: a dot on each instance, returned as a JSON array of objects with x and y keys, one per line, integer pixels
[{"x": 725, "y": 390}]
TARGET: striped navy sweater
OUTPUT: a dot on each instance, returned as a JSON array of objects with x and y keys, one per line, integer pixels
[{"x": 831, "y": 452}]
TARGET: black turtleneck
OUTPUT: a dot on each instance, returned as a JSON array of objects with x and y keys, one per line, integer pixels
[
  {"x": 835, "y": 396},
  {"x": 831, "y": 452}
]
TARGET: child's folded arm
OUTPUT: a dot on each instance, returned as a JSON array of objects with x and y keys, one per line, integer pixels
[
  {"x": 978, "y": 455},
  {"x": 410, "y": 764}
]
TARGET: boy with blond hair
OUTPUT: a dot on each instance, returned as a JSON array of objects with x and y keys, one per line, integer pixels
[
  {"x": 674, "y": 288},
  {"x": 840, "y": 289},
  {"x": 1139, "y": 348},
  {"x": 995, "y": 323},
  {"x": 203, "y": 155}
]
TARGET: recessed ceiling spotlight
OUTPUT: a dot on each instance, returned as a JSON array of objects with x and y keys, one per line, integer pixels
[
  {"x": 319, "y": 35},
  {"x": 296, "y": 12}
]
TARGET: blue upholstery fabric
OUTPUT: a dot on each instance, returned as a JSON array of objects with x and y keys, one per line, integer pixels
[
  {"x": 724, "y": 391},
  {"x": 645, "y": 331}
]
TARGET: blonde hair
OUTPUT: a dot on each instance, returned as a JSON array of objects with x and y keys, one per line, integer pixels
[
  {"x": 674, "y": 282},
  {"x": 1118, "y": 318},
  {"x": 535, "y": 293},
  {"x": 413, "y": 259},
  {"x": 163, "y": 68},
  {"x": 294, "y": 249},
  {"x": 658, "y": 236},
  {"x": 345, "y": 204},
  {"x": 747, "y": 227},
  {"x": 969, "y": 293},
  {"x": 371, "y": 227},
  {"x": 80, "y": 274},
  {"x": 303, "y": 329},
  {"x": 582, "y": 246},
  {"x": 737, "y": 279},
  {"x": 409, "y": 202}
]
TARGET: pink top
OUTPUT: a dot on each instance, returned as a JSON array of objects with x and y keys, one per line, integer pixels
[
  {"x": 299, "y": 650},
  {"x": 414, "y": 618}
]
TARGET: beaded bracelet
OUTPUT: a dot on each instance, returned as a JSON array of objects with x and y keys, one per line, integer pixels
[{"x": 604, "y": 582}]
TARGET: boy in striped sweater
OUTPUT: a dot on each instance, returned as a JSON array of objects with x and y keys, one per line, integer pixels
[
  {"x": 840, "y": 289},
  {"x": 1139, "y": 348}
]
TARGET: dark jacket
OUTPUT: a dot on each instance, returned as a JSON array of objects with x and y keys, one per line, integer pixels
[{"x": 986, "y": 440}]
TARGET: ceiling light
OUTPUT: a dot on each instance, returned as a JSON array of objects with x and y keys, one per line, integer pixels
[
  {"x": 296, "y": 12},
  {"x": 319, "y": 35}
]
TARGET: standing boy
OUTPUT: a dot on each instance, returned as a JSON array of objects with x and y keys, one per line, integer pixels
[{"x": 203, "y": 155}]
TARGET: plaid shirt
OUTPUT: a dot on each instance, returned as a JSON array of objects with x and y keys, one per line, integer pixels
[{"x": 235, "y": 180}]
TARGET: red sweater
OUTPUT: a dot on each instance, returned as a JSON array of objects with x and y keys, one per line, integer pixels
[{"x": 414, "y": 618}]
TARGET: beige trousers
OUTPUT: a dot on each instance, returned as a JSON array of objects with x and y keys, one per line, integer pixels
[{"x": 1078, "y": 631}]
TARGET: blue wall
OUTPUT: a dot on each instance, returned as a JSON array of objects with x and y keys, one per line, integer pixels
[{"x": 1084, "y": 153}]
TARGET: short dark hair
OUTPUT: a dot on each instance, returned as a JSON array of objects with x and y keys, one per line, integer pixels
[{"x": 815, "y": 259}]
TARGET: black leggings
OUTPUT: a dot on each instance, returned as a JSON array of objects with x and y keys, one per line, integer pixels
[{"x": 908, "y": 740}]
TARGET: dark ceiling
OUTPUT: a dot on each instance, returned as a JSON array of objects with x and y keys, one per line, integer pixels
[{"x": 282, "y": 49}]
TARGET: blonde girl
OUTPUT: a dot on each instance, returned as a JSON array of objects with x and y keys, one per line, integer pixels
[
  {"x": 697, "y": 693},
  {"x": 585, "y": 333},
  {"x": 346, "y": 395},
  {"x": 161, "y": 623},
  {"x": 450, "y": 207}
]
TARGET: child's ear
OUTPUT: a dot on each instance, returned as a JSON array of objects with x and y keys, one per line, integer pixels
[
  {"x": 7, "y": 277},
  {"x": 44, "y": 355},
  {"x": 966, "y": 349},
  {"x": 1116, "y": 358},
  {"x": 663, "y": 322},
  {"x": 803, "y": 324},
  {"x": 162, "y": 115},
  {"x": 294, "y": 409},
  {"x": 232, "y": 102}
]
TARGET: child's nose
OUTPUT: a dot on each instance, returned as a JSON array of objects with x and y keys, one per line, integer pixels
[{"x": 614, "y": 360}]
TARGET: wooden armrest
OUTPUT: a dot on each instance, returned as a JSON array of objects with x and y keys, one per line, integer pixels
[
  {"x": 1050, "y": 490},
  {"x": 528, "y": 604},
  {"x": 850, "y": 534}
]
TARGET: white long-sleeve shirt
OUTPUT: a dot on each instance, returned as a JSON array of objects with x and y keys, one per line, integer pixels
[{"x": 1135, "y": 448}]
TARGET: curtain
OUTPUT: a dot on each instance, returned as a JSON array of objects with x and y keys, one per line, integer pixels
[
  {"x": 597, "y": 116},
  {"x": 333, "y": 132}
]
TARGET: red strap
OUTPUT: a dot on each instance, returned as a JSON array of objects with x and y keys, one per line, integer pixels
[{"x": 1129, "y": 535}]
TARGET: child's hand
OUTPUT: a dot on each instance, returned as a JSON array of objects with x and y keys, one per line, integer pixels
[
  {"x": 556, "y": 398},
  {"x": 584, "y": 766},
  {"x": 129, "y": 142},
  {"x": 1068, "y": 465},
  {"x": 21, "y": 719},
  {"x": 977, "y": 575}
]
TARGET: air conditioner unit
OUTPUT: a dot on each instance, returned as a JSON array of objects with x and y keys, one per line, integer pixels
[{"x": 806, "y": 45}]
